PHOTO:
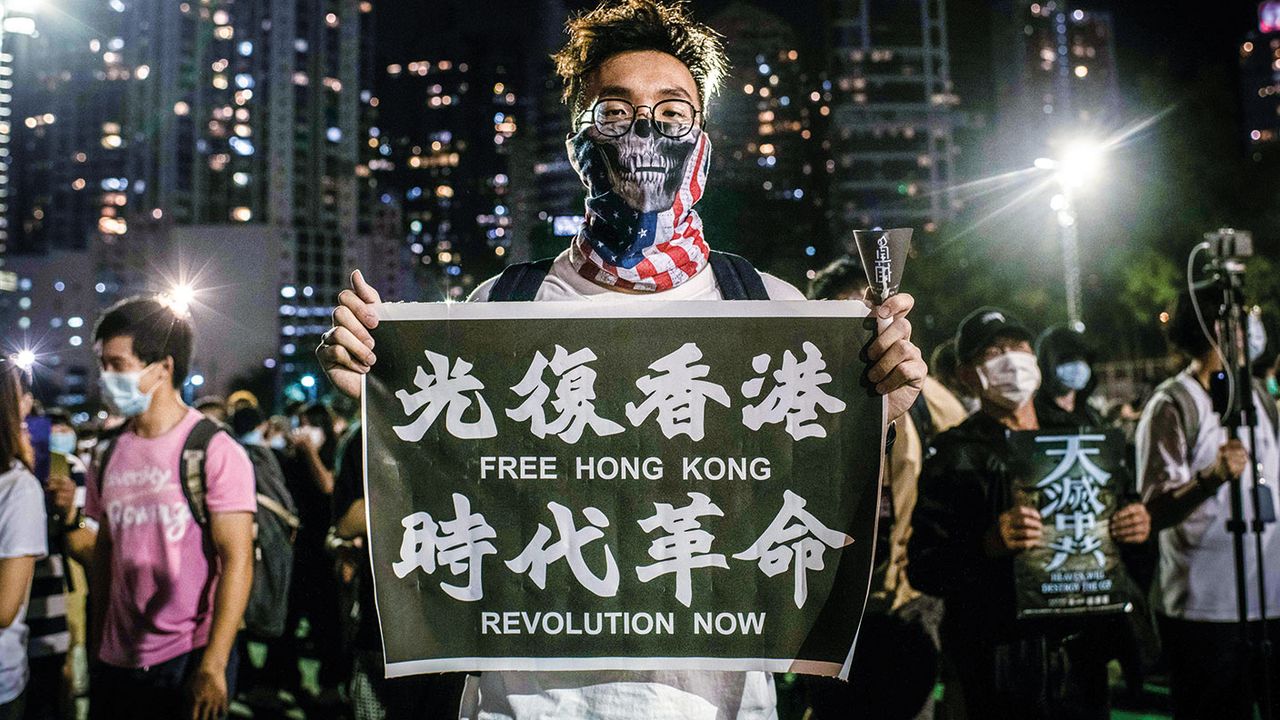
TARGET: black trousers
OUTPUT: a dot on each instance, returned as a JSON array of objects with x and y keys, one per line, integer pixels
[
  {"x": 420, "y": 697},
  {"x": 1038, "y": 677},
  {"x": 1211, "y": 672},
  {"x": 313, "y": 595},
  {"x": 44, "y": 688},
  {"x": 894, "y": 669},
  {"x": 158, "y": 692}
]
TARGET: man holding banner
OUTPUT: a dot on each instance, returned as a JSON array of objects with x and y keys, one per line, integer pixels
[
  {"x": 1015, "y": 528},
  {"x": 611, "y": 486}
]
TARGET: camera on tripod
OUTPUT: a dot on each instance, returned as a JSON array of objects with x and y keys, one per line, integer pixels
[{"x": 1229, "y": 243}]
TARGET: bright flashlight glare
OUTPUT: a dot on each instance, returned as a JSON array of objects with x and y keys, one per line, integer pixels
[
  {"x": 1080, "y": 163},
  {"x": 179, "y": 298},
  {"x": 308, "y": 381},
  {"x": 25, "y": 359}
]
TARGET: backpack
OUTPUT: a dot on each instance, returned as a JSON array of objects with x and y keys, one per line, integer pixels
[
  {"x": 1189, "y": 415},
  {"x": 737, "y": 279},
  {"x": 275, "y": 525}
]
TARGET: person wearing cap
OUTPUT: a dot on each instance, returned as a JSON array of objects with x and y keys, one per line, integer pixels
[
  {"x": 241, "y": 399},
  {"x": 213, "y": 407},
  {"x": 966, "y": 531}
]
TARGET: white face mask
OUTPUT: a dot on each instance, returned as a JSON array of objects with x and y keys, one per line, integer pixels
[
  {"x": 121, "y": 392},
  {"x": 1257, "y": 337},
  {"x": 1010, "y": 379}
]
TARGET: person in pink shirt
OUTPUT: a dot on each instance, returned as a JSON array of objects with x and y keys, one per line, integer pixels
[{"x": 167, "y": 594}]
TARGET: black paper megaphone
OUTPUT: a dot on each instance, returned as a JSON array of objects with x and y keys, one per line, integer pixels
[{"x": 883, "y": 254}]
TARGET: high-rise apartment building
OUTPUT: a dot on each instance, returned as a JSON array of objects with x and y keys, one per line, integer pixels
[
  {"x": 1260, "y": 78},
  {"x": 765, "y": 191},
  {"x": 1055, "y": 79},
  {"x": 149, "y": 124},
  {"x": 892, "y": 116},
  {"x": 444, "y": 157}
]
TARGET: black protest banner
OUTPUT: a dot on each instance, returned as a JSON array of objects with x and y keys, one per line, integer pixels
[
  {"x": 580, "y": 486},
  {"x": 1071, "y": 478}
]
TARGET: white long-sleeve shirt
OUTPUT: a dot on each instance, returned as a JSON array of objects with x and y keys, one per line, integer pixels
[{"x": 1196, "y": 578}]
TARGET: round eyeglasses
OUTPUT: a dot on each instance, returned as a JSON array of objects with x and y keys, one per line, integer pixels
[{"x": 614, "y": 117}]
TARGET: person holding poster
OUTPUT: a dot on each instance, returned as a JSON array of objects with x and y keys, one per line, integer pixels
[
  {"x": 1185, "y": 464},
  {"x": 967, "y": 530},
  {"x": 638, "y": 75},
  {"x": 896, "y": 666}
]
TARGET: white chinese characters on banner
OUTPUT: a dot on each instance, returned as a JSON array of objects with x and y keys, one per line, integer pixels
[
  {"x": 444, "y": 391},
  {"x": 539, "y": 553},
  {"x": 676, "y": 392},
  {"x": 798, "y": 546},
  {"x": 686, "y": 546},
  {"x": 1073, "y": 494},
  {"x": 461, "y": 544},
  {"x": 796, "y": 395},
  {"x": 575, "y": 397},
  {"x": 794, "y": 540}
]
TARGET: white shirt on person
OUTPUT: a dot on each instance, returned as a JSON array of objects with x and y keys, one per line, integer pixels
[
  {"x": 624, "y": 695},
  {"x": 1197, "y": 571},
  {"x": 23, "y": 533}
]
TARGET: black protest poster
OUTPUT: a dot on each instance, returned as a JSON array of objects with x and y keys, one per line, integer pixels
[
  {"x": 632, "y": 486},
  {"x": 1072, "y": 479}
]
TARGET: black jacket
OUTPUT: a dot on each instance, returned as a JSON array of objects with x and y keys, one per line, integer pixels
[
  {"x": 964, "y": 487},
  {"x": 1037, "y": 669}
]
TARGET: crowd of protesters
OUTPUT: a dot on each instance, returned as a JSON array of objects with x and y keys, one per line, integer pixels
[
  {"x": 145, "y": 557},
  {"x": 115, "y": 596}
]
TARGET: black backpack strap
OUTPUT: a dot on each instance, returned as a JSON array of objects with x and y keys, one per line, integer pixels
[
  {"x": 737, "y": 279},
  {"x": 1188, "y": 414},
  {"x": 520, "y": 282},
  {"x": 1269, "y": 408},
  {"x": 102, "y": 455},
  {"x": 191, "y": 473},
  {"x": 923, "y": 420}
]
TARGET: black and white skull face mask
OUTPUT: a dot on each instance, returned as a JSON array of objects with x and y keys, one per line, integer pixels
[
  {"x": 642, "y": 168},
  {"x": 641, "y": 231}
]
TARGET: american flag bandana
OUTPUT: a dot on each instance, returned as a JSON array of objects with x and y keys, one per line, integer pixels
[{"x": 628, "y": 248}]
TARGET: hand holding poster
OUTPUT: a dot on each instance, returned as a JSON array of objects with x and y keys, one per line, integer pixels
[
  {"x": 1071, "y": 478},
  {"x": 556, "y": 486}
]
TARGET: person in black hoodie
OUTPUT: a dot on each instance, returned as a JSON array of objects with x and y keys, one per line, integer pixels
[
  {"x": 1067, "y": 361},
  {"x": 966, "y": 530}
]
